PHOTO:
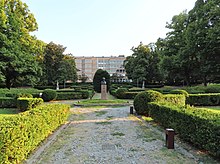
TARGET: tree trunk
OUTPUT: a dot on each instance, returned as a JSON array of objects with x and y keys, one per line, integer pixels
[
  {"x": 8, "y": 83},
  {"x": 205, "y": 80}
]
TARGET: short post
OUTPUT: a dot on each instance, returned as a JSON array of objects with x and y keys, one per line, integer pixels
[
  {"x": 170, "y": 138},
  {"x": 131, "y": 109}
]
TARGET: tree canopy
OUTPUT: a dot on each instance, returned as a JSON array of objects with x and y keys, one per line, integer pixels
[{"x": 17, "y": 47}]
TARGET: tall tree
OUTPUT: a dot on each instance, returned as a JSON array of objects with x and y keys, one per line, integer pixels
[
  {"x": 17, "y": 46},
  {"x": 143, "y": 65},
  {"x": 58, "y": 66}
]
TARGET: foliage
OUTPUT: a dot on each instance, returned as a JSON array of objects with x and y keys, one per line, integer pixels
[
  {"x": 22, "y": 133},
  {"x": 120, "y": 93},
  {"x": 180, "y": 91},
  {"x": 143, "y": 98},
  {"x": 7, "y": 102},
  {"x": 68, "y": 95},
  {"x": 143, "y": 65},
  {"x": 57, "y": 66},
  {"x": 24, "y": 104},
  {"x": 98, "y": 77},
  {"x": 17, "y": 47},
  {"x": 197, "y": 126},
  {"x": 49, "y": 94},
  {"x": 175, "y": 99},
  {"x": 190, "y": 52},
  {"x": 204, "y": 99}
]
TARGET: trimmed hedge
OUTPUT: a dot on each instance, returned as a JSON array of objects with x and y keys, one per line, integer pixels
[
  {"x": 22, "y": 133},
  {"x": 176, "y": 99},
  {"x": 203, "y": 99},
  {"x": 68, "y": 95},
  {"x": 198, "y": 126},
  {"x": 7, "y": 102},
  {"x": 24, "y": 104},
  {"x": 143, "y": 98},
  {"x": 120, "y": 93},
  {"x": 49, "y": 94},
  {"x": 179, "y": 91}
]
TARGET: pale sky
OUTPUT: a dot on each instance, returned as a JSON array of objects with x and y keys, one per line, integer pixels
[{"x": 104, "y": 27}]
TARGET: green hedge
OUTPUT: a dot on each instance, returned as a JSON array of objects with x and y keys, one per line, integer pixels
[
  {"x": 22, "y": 133},
  {"x": 24, "y": 104},
  {"x": 198, "y": 126},
  {"x": 68, "y": 95},
  {"x": 203, "y": 99},
  {"x": 7, "y": 102},
  {"x": 176, "y": 99}
]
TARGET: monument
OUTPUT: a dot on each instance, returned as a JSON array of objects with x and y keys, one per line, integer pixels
[{"x": 103, "y": 89}]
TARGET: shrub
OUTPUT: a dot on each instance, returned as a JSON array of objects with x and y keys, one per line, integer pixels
[
  {"x": 98, "y": 77},
  {"x": 142, "y": 99},
  {"x": 176, "y": 99},
  {"x": 212, "y": 89},
  {"x": 120, "y": 93},
  {"x": 68, "y": 95},
  {"x": 24, "y": 104},
  {"x": 130, "y": 95},
  {"x": 7, "y": 102},
  {"x": 22, "y": 133},
  {"x": 198, "y": 126},
  {"x": 203, "y": 99},
  {"x": 49, "y": 94},
  {"x": 179, "y": 91},
  {"x": 24, "y": 95},
  {"x": 85, "y": 94}
]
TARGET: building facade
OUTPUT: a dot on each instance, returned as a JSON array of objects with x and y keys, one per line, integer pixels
[{"x": 87, "y": 66}]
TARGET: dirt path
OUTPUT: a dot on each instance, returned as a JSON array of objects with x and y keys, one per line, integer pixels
[{"x": 109, "y": 136}]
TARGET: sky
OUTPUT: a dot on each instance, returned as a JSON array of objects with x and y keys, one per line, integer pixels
[{"x": 104, "y": 27}]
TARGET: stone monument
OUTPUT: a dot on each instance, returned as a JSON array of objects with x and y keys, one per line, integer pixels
[{"x": 103, "y": 89}]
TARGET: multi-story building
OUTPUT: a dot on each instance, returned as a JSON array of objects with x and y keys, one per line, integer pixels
[{"x": 87, "y": 66}]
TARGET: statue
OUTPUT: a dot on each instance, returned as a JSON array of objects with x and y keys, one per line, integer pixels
[{"x": 103, "y": 89}]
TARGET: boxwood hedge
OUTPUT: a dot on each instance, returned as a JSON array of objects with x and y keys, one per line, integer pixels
[
  {"x": 198, "y": 126},
  {"x": 22, "y": 133}
]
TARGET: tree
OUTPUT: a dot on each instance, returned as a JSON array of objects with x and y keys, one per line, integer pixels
[
  {"x": 98, "y": 77},
  {"x": 143, "y": 65},
  {"x": 17, "y": 46},
  {"x": 57, "y": 65}
]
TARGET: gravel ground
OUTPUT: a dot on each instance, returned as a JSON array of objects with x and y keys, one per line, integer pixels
[{"x": 109, "y": 136}]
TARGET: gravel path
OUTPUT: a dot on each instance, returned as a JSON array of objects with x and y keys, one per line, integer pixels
[{"x": 109, "y": 136}]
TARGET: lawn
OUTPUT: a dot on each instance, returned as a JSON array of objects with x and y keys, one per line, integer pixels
[{"x": 99, "y": 101}]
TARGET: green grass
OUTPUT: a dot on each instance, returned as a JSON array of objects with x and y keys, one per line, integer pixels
[
  {"x": 99, "y": 101},
  {"x": 118, "y": 134},
  {"x": 100, "y": 113},
  {"x": 103, "y": 123}
]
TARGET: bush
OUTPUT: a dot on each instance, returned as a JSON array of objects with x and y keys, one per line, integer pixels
[
  {"x": 24, "y": 95},
  {"x": 142, "y": 99},
  {"x": 24, "y": 104},
  {"x": 198, "y": 126},
  {"x": 69, "y": 95},
  {"x": 7, "y": 102},
  {"x": 85, "y": 94},
  {"x": 130, "y": 95},
  {"x": 176, "y": 99},
  {"x": 120, "y": 92},
  {"x": 22, "y": 133},
  {"x": 203, "y": 99},
  {"x": 49, "y": 94},
  {"x": 179, "y": 91},
  {"x": 98, "y": 77}
]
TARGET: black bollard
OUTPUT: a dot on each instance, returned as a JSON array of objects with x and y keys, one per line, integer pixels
[{"x": 131, "y": 109}]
